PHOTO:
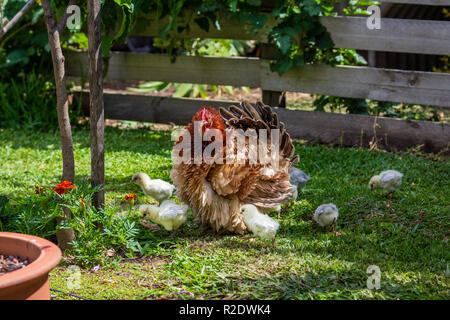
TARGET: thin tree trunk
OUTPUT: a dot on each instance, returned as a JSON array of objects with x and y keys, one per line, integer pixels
[
  {"x": 97, "y": 115},
  {"x": 64, "y": 236}
]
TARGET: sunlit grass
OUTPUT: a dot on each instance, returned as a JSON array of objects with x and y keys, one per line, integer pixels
[{"x": 307, "y": 262}]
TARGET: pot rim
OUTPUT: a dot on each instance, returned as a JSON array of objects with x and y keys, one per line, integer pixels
[{"x": 49, "y": 257}]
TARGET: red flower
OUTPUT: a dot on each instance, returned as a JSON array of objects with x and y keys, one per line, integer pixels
[
  {"x": 62, "y": 187},
  {"x": 38, "y": 189},
  {"x": 130, "y": 196}
]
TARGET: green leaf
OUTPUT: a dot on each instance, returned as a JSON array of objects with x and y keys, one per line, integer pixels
[
  {"x": 182, "y": 90},
  {"x": 37, "y": 15},
  {"x": 40, "y": 39},
  {"x": 233, "y": 5},
  {"x": 125, "y": 3},
  {"x": 17, "y": 56},
  {"x": 106, "y": 45},
  {"x": 284, "y": 43}
]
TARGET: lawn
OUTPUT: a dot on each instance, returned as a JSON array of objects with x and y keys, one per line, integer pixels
[{"x": 307, "y": 262}]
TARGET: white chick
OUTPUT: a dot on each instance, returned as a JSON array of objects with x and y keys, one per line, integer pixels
[
  {"x": 169, "y": 214},
  {"x": 156, "y": 188},
  {"x": 388, "y": 180},
  {"x": 326, "y": 215},
  {"x": 260, "y": 224}
]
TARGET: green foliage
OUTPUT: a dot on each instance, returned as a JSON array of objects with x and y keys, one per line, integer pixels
[
  {"x": 25, "y": 46},
  {"x": 297, "y": 33},
  {"x": 375, "y": 108},
  {"x": 37, "y": 214},
  {"x": 28, "y": 101}
]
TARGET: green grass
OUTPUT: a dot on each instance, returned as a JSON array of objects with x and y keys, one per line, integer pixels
[{"x": 307, "y": 263}]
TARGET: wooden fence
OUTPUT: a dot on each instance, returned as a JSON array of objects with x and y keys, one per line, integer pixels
[{"x": 395, "y": 35}]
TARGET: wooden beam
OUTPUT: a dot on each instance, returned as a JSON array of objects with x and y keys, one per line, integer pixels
[
  {"x": 395, "y": 35},
  {"x": 428, "y": 88},
  {"x": 96, "y": 107},
  {"x": 230, "y": 28},
  {"x": 153, "y": 67},
  {"x": 345, "y": 129}
]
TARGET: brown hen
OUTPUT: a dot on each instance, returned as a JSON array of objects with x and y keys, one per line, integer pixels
[{"x": 216, "y": 192}]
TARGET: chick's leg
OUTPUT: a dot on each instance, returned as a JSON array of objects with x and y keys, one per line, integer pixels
[
  {"x": 333, "y": 225},
  {"x": 248, "y": 237},
  {"x": 286, "y": 208},
  {"x": 390, "y": 194}
]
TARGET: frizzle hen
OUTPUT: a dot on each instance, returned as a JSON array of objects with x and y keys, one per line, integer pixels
[{"x": 216, "y": 191}]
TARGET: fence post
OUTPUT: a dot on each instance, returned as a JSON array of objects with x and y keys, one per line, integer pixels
[{"x": 272, "y": 98}]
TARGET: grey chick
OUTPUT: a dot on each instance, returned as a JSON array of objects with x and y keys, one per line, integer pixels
[
  {"x": 298, "y": 180},
  {"x": 326, "y": 215}
]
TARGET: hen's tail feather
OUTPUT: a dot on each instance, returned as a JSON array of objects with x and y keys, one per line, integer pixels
[{"x": 260, "y": 116}]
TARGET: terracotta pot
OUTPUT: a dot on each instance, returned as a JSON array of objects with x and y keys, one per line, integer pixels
[{"x": 30, "y": 282}]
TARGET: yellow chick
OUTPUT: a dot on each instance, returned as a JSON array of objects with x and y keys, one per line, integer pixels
[
  {"x": 156, "y": 188},
  {"x": 260, "y": 224},
  {"x": 169, "y": 214}
]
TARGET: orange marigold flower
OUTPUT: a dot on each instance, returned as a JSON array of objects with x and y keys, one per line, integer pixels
[
  {"x": 62, "y": 187},
  {"x": 130, "y": 196},
  {"x": 66, "y": 184}
]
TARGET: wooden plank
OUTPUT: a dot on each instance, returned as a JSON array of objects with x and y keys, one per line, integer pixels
[
  {"x": 230, "y": 28},
  {"x": 428, "y": 88},
  {"x": 345, "y": 129},
  {"x": 424, "y": 2},
  {"x": 395, "y": 35},
  {"x": 418, "y": 87},
  {"x": 358, "y": 130},
  {"x": 149, "y": 67}
]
